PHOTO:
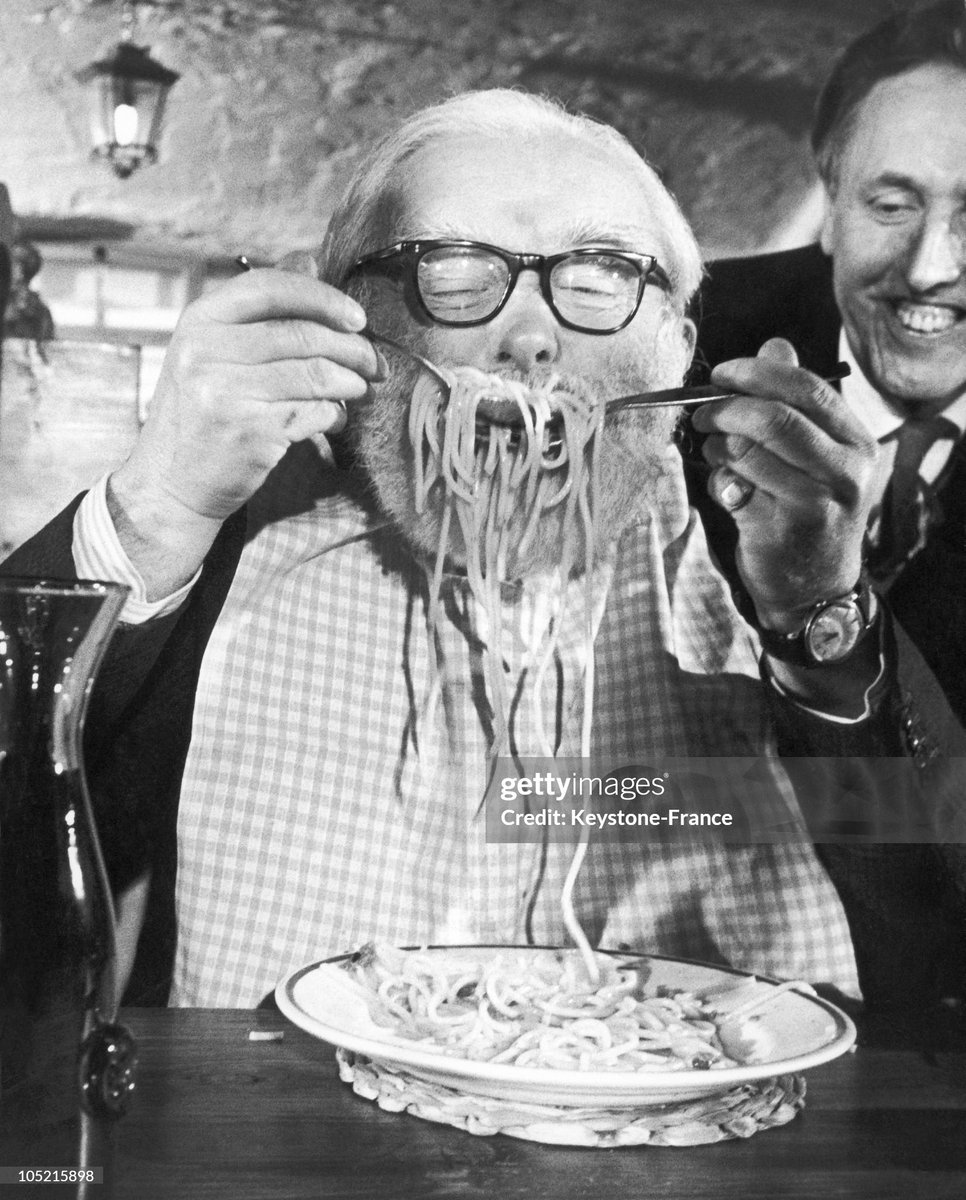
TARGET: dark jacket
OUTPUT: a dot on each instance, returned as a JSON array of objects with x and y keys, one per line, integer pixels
[
  {"x": 137, "y": 732},
  {"x": 906, "y": 904}
]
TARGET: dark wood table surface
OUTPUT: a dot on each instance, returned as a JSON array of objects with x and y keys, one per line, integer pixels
[{"x": 218, "y": 1115}]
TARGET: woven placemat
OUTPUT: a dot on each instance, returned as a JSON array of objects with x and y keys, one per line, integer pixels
[{"x": 737, "y": 1113}]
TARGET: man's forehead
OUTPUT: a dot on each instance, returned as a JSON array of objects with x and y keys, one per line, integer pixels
[
  {"x": 911, "y": 126},
  {"x": 579, "y": 231},
  {"x": 557, "y": 191}
]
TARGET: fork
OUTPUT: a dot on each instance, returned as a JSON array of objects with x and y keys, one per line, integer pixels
[
  {"x": 425, "y": 363},
  {"x": 666, "y": 398}
]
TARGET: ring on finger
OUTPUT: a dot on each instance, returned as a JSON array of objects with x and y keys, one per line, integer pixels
[{"x": 736, "y": 493}]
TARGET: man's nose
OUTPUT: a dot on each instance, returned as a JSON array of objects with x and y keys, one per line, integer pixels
[
  {"x": 529, "y": 334},
  {"x": 937, "y": 256}
]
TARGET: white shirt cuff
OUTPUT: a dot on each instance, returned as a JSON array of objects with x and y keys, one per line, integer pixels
[
  {"x": 98, "y": 554},
  {"x": 815, "y": 712}
]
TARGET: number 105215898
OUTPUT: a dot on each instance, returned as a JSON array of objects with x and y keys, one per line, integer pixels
[{"x": 36, "y": 1175}]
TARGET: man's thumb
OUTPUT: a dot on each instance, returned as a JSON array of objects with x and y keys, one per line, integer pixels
[{"x": 780, "y": 351}]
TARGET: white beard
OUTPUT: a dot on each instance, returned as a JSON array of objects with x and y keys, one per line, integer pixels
[{"x": 633, "y": 463}]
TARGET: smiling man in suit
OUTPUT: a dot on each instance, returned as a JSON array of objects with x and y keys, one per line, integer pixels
[{"x": 885, "y": 291}]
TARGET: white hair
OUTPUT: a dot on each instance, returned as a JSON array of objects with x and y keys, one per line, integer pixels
[{"x": 362, "y": 219}]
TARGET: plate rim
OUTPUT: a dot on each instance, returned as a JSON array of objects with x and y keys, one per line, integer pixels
[{"x": 617, "y": 1082}]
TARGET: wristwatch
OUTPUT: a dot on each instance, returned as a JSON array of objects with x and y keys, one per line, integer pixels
[{"x": 831, "y": 632}]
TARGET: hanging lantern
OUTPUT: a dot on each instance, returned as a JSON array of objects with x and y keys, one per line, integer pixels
[{"x": 127, "y": 93}]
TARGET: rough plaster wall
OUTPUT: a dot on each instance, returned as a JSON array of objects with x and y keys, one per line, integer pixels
[{"x": 266, "y": 120}]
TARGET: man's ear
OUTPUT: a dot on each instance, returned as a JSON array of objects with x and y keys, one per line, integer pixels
[{"x": 828, "y": 218}]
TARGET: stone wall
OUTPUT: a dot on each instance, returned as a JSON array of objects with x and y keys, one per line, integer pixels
[{"x": 273, "y": 109}]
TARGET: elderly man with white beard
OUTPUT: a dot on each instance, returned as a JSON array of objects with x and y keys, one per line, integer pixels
[{"x": 274, "y": 685}]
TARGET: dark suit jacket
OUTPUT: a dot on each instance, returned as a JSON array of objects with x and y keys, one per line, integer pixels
[
  {"x": 743, "y": 303},
  {"x": 746, "y": 301}
]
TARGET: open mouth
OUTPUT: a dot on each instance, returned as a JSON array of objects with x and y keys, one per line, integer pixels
[
  {"x": 523, "y": 418},
  {"x": 928, "y": 320},
  {"x": 517, "y": 434},
  {"x": 497, "y": 415}
]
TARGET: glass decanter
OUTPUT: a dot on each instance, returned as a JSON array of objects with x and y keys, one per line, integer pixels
[{"x": 66, "y": 1067}]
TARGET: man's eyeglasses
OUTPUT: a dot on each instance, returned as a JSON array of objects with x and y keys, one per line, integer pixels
[{"x": 593, "y": 289}]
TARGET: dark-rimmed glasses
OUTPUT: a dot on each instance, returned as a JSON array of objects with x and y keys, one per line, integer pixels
[{"x": 593, "y": 289}]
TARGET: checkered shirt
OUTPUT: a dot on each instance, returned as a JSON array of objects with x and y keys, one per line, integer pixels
[{"x": 324, "y": 803}]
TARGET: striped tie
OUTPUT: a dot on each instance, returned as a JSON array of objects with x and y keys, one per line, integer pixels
[{"x": 904, "y": 517}]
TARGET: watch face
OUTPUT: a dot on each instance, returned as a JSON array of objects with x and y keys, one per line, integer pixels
[{"x": 833, "y": 632}]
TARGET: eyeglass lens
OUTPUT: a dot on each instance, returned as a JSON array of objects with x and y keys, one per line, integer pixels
[{"x": 461, "y": 284}]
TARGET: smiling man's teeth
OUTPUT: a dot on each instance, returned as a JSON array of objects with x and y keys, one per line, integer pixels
[{"x": 927, "y": 318}]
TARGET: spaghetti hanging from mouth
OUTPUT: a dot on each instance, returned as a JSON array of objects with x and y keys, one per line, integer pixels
[{"x": 494, "y": 488}]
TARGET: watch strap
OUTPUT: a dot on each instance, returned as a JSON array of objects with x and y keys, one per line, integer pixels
[{"x": 794, "y": 647}]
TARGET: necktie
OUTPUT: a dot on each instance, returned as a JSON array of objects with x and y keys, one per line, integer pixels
[{"x": 904, "y": 515}]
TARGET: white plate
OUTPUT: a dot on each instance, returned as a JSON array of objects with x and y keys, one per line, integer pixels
[{"x": 323, "y": 1000}]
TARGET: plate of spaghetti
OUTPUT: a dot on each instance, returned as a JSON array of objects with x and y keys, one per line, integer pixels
[{"x": 528, "y": 1024}]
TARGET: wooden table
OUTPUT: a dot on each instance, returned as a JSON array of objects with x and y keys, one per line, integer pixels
[{"x": 218, "y": 1115}]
